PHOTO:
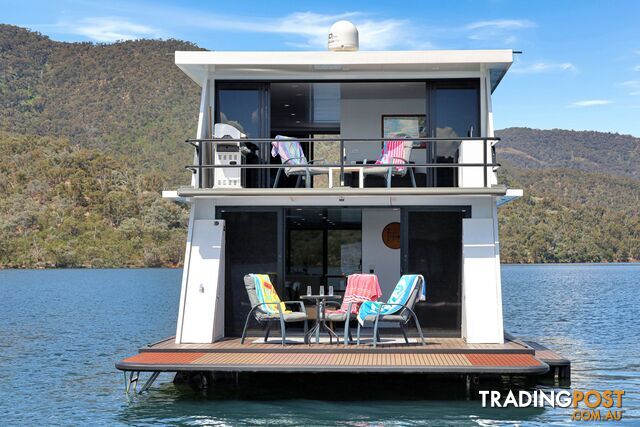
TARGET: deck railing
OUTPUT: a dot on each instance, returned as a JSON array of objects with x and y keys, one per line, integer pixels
[{"x": 205, "y": 153}]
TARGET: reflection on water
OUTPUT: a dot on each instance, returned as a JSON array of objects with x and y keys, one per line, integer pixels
[{"x": 62, "y": 331}]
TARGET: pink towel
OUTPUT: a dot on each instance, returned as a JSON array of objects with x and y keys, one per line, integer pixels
[
  {"x": 360, "y": 288},
  {"x": 392, "y": 153}
]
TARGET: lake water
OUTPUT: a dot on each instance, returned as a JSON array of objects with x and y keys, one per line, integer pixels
[{"x": 62, "y": 330}]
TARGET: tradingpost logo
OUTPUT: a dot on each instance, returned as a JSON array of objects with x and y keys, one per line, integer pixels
[{"x": 588, "y": 405}]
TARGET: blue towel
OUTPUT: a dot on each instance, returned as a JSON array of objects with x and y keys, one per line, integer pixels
[{"x": 400, "y": 295}]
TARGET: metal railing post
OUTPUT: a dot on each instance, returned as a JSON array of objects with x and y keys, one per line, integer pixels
[
  {"x": 484, "y": 156},
  {"x": 199, "y": 149},
  {"x": 341, "y": 161}
]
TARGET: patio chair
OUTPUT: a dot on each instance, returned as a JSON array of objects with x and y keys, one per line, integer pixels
[
  {"x": 292, "y": 155},
  {"x": 399, "y": 309},
  {"x": 267, "y": 308},
  {"x": 398, "y": 153},
  {"x": 360, "y": 288}
]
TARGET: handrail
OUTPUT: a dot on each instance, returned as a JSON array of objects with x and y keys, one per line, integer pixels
[
  {"x": 264, "y": 140},
  {"x": 196, "y": 143}
]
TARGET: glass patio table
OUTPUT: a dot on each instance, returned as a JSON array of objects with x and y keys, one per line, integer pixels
[{"x": 321, "y": 323}]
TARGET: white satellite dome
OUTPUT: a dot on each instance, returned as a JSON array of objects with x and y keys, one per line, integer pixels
[{"x": 343, "y": 36}]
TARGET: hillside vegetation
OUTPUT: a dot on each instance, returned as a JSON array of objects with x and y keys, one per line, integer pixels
[
  {"x": 67, "y": 206},
  {"x": 89, "y": 135}
]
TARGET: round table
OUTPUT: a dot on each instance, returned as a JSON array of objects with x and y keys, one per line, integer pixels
[{"x": 321, "y": 323}]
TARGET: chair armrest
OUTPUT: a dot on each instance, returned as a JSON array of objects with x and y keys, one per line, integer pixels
[
  {"x": 406, "y": 162},
  {"x": 299, "y": 303},
  {"x": 295, "y": 158},
  {"x": 314, "y": 161},
  {"x": 336, "y": 303},
  {"x": 404, "y": 306},
  {"x": 277, "y": 304}
]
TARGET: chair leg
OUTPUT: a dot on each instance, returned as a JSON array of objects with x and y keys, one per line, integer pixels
[
  {"x": 298, "y": 181},
  {"x": 347, "y": 332},
  {"x": 307, "y": 181},
  {"x": 358, "y": 335},
  {"x": 389, "y": 179},
  {"x": 306, "y": 326},
  {"x": 404, "y": 333},
  {"x": 283, "y": 331},
  {"x": 244, "y": 331},
  {"x": 413, "y": 178},
  {"x": 375, "y": 332},
  {"x": 275, "y": 184},
  {"x": 266, "y": 334},
  {"x": 415, "y": 318}
]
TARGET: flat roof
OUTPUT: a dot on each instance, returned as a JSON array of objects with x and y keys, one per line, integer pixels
[{"x": 328, "y": 65}]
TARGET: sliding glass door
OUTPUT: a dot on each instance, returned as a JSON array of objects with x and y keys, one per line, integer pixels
[
  {"x": 246, "y": 107},
  {"x": 454, "y": 108},
  {"x": 432, "y": 246},
  {"x": 253, "y": 245}
]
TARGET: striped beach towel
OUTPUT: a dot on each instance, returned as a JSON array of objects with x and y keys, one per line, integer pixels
[
  {"x": 400, "y": 295},
  {"x": 288, "y": 149},
  {"x": 392, "y": 153},
  {"x": 266, "y": 293},
  {"x": 360, "y": 288}
]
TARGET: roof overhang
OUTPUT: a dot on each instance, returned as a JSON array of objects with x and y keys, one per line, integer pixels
[
  {"x": 510, "y": 195},
  {"x": 359, "y": 65}
]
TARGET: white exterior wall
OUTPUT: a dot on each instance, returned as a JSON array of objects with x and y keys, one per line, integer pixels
[
  {"x": 201, "y": 310},
  {"x": 376, "y": 256},
  {"x": 482, "y": 320}
]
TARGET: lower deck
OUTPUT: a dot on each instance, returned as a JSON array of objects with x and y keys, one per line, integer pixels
[{"x": 439, "y": 355}]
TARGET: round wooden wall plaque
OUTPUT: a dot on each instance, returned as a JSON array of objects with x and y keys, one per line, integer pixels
[{"x": 391, "y": 235}]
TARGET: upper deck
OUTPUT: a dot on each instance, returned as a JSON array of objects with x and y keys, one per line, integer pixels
[{"x": 343, "y": 110}]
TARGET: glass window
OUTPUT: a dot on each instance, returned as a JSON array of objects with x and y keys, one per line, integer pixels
[
  {"x": 344, "y": 252},
  {"x": 305, "y": 252},
  {"x": 241, "y": 109}
]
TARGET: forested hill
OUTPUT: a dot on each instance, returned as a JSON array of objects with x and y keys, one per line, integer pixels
[
  {"x": 597, "y": 152},
  {"x": 90, "y": 133},
  {"x": 123, "y": 98}
]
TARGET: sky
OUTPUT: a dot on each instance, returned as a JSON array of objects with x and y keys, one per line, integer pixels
[{"x": 580, "y": 66}]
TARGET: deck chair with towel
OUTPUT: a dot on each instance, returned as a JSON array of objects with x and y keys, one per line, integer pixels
[
  {"x": 360, "y": 288},
  {"x": 398, "y": 153},
  {"x": 398, "y": 309},
  {"x": 292, "y": 156},
  {"x": 266, "y": 306}
]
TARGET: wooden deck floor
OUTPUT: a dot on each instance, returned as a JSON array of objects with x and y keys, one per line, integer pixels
[
  {"x": 440, "y": 355},
  {"x": 396, "y": 345}
]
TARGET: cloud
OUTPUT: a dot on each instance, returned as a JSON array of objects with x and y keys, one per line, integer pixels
[
  {"x": 542, "y": 67},
  {"x": 636, "y": 68},
  {"x": 634, "y": 85},
  {"x": 109, "y": 29},
  {"x": 590, "y": 103},
  {"x": 497, "y": 29},
  {"x": 313, "y": 28}
]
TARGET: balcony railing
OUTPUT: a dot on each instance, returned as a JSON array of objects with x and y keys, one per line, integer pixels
[{"x": 206, "y": 150}]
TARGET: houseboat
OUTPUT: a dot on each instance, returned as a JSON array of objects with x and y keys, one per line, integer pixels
[{"x": 313, "y": 170}]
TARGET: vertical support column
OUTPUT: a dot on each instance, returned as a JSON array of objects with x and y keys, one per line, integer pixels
[
  {"x": 201, "y": 311},
  {"x": 488, "y": 129},
  {"x": 472, "y": 151},
  {"x": 197, "y": 180},
  {"x": 481, "y": 289}
]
